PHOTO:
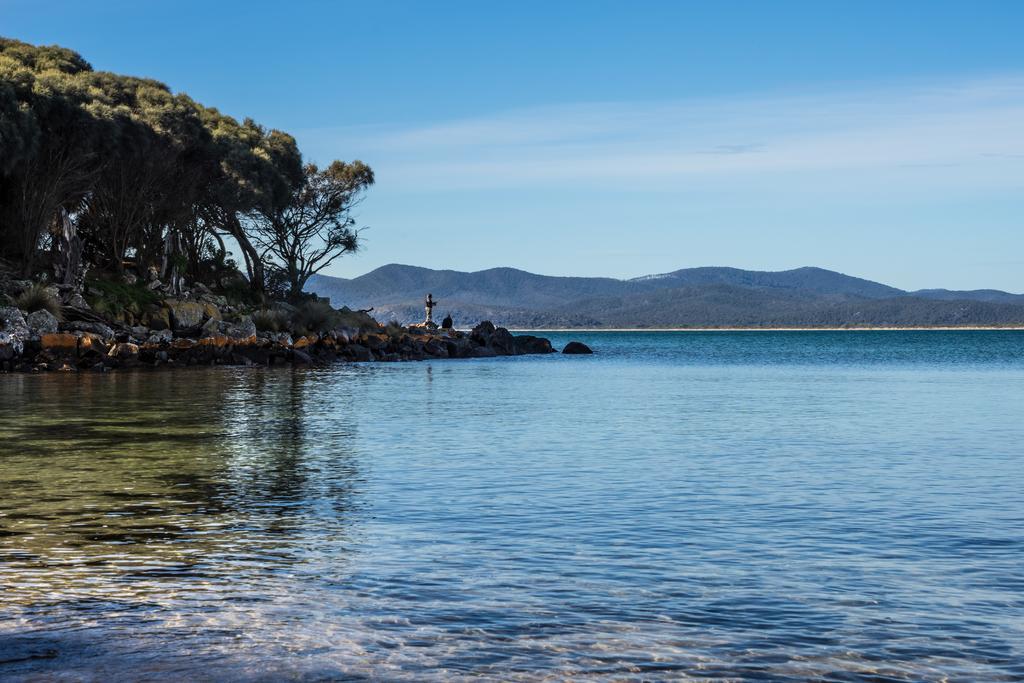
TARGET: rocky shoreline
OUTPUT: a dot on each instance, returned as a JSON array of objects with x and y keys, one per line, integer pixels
[{"x": 38, "y": 342}]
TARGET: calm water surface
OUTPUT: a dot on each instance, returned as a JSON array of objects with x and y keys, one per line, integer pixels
[{"x": 739, "y": 506}]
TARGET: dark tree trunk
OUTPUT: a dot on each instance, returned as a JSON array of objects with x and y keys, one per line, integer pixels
[
  {"x": 67, "y": 252},
  {"x": 253, "y": 262}
]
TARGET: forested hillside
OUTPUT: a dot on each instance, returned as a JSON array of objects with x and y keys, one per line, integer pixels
[{"x": 694, "y": 297}]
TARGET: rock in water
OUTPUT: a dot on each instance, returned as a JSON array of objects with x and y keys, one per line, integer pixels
[
  {"x": 576, "y": 347},
  {"x": 527, "y": 343},
  {"x": 358, "y": 353}
]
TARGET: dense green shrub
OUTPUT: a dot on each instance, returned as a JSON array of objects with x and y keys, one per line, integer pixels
[{"x": 112, "y": 298}]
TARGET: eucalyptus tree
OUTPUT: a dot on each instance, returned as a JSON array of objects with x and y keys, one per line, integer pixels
[
  {"x": 54, "y": 136},
  {"x": 306, "y": 230},
  {"x": 124, "y": 168},
  {"x": 19, "y": 132},
  {"x": 255, "y": 167},
  {"x": 156, "y": 162}
]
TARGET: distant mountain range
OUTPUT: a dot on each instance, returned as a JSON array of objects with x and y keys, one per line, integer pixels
[{"x": 691, "y": 297}]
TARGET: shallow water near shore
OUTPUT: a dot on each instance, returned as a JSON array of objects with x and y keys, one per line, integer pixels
[{"x": 724, "y": 505}]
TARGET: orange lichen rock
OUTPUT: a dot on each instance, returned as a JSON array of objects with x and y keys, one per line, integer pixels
[
  {"x": 124, "y": 350},
  {"x": 64, "y": 341},
  {"x": 303, "y": 342},
  {"x": 90, "y": 341},
  {"x": 217, "y": 340}
]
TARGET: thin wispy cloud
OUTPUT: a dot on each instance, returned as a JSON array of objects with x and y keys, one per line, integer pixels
[{"x": 968, "y": 133}]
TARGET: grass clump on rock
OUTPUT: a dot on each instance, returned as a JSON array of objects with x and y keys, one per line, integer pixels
[
  {"x": 314, "y": 316},
  {"x": 38, "y": 298},
  {"x": 273, "y": 320},
  {"x": 394, "y": 329}
]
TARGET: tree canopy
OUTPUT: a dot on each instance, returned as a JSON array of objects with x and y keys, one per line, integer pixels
[
  {"x": 312, "y": 225},
  {"x": 132, "y": 164}
]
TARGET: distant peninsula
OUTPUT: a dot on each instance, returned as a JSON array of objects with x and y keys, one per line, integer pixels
[{"x": 691, "y": 298}]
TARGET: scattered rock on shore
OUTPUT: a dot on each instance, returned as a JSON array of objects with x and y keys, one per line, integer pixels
[{"x": 46, "y": 344}]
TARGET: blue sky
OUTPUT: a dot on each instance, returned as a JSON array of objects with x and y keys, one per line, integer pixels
[{"x": 885, "y": 140}]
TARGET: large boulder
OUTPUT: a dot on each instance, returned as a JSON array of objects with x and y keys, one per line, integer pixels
[
  {"x": 435, "y": 348},
  {"x": 358, "y": 353},
  {"x": 60, "y": 341},
  {"x": 41, "y": 322},
  {"x": 482, "y": 332},
  {"x": 575, "y": 347},
  {"x": 502, "y": 342},
  {"x": 527, "y": 343},
  {"x": 460, "y": 347},
  {"x": 12, "y": 321},
  {"x": 483, "y": 352},
  {"x": 11, "y": 346},
  {"x": 185, "y": 314},
  {"x": 374, "y": 342},
  {"x": 13, "y": 332},
  {"x": 243, "y": 329}
]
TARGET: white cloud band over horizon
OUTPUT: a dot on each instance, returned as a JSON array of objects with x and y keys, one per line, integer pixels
[
  {"x": 916, "y": 133},
  {"x": 932, "y": 171}
]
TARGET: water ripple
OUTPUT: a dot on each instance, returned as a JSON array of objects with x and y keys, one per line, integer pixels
[{"x": 770, "y": 506}]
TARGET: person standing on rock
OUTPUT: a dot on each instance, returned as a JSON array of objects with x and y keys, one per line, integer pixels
[{"x": 429, "y": 304}]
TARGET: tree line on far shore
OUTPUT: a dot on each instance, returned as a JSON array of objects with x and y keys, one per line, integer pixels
[{"x": 131, "y": 167}]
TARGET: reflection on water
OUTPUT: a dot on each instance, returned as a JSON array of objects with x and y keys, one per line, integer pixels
[
  {"x": 637, "y": 514},
  {"x": 127, "y": 501}
]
